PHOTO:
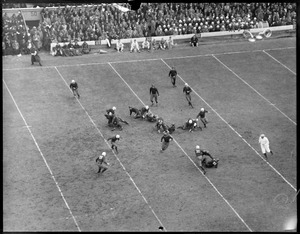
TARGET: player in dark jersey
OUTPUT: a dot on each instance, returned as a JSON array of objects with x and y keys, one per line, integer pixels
[
  {"x": 74, "y": 88},
  {"x": 102, "y": 163},
  {"x": 205, "y": 158},
  {"x": 195, "y": 124},
  {"x": 35, "y": 56},
  {"x": 172, "y": 128},
  {"x": 189, "y": 125},
  {"x": 173, "y": 75},
  {"x": 153, "y": 94},
  {"x": 143, "y": 111},
  {"x": 202, "y": 116},
  {"x": 112, "y": 110},
  {"x": 199, "y": 155},
  {"x": 113, "y": 142},
  {"x": 187, "y": 90},
  {"x": 111, "y": 115},
  {"x": 166, "y": 138}
]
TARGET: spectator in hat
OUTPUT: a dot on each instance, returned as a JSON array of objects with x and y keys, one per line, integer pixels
[
  {"x": 77, "y": 48},
  {"x": 85, "y": 48}
]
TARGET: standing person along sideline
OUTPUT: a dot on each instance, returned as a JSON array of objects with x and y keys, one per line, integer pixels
[
  {"x": 74, "y": 88},
  {"x": 35, "y": 56},
  {"x": 265, "y": 145}
]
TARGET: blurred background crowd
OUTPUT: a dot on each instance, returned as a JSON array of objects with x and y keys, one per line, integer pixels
[{"x": 99, "y": 22}]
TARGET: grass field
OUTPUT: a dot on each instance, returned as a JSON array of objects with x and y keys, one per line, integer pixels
[{"x": 51, "y": 141}]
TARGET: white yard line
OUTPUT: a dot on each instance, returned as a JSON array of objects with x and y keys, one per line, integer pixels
[
  {"x": 52, "y": 175},
  {"x": 188, "y": 156},
  {"x": 236, "y": 132},
  {"x": 92, "y": 121},
  {"x": 280, "y": 62},
  {"x": 140, "y": 60},
  {"x": 254, "y": 89}
]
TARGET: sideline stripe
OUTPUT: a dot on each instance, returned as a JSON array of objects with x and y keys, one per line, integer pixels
[
  {"x": 237, "y": 133},
  {"x": 113, "y": 153},
  {"x": 28, "y": 127},
  {"x": 280, "y": 62},
  {"x": 253, "y": 89},
  {"x": 188, "y": 157},
  {"x": 140, "y": 60}
]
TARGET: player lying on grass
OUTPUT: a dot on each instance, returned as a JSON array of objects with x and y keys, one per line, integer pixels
[
  {"x": 139, "y": 113},
  {"x": 161, "y": 126},
  {"x": 205, "y": 160},
  {"x": 151, "y": 117},
  {"x": 113, "y": 120},
  {"x": 191, "y": 125}
]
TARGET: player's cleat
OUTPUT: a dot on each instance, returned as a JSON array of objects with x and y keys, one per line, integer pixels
[{"x": 271, "y": 152}]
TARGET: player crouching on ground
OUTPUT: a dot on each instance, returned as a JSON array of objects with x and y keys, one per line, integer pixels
[
  {"x": 190, "y": 124},
  {"x": 160, "y": 125},
  {"x": 139, "y": 113},
  {"x": 119, "y": 46},
  {"x": 205, "y": 160},
  {"x": 134, "y": 46},
  {"x": 151, "y": 117},
  {"x": 102, "y": 163},
  {"x": 113, "y": 120}
]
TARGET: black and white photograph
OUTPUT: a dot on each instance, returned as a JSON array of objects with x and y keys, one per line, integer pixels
[{"x": 132, "y": 116}]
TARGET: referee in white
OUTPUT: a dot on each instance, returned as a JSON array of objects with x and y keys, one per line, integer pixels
[{"x": 264, "y": 144}]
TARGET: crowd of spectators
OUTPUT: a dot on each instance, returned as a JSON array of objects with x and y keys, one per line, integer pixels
[{"x": 104, "y": 21}]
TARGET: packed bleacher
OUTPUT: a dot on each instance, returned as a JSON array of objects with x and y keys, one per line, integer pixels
[{"x": 106, "y": 21}]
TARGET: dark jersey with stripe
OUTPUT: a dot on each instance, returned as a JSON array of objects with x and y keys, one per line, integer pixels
[
  {"x": 154, "y": 90},
  {"x": 187, "y": 90},
  {"x": 166, "y": 138},
  {"x": 73, "y": 85},
  {"x": 173, "y": 73}
]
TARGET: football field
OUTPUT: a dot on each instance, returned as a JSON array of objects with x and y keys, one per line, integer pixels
[{"x": 51, "y": 141}]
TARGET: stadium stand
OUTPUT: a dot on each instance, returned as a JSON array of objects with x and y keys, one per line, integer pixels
[{"x": 109, "y": 22}]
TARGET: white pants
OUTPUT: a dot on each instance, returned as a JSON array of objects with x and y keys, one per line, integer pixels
[{"x": 265, "y": 148}]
